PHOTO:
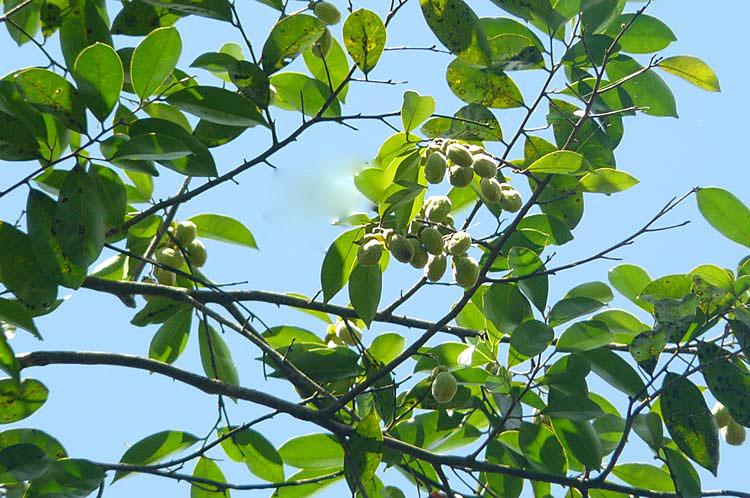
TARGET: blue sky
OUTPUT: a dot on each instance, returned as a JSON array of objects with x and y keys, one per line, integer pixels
[{"x": 97, "y": 412}]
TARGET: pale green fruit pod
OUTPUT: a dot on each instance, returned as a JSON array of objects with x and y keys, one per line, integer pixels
[
  {"x": 436, "y": 266},
  {"x": 734, "y": 434},
  {"x": 434, "y": 168},
  {"x": 458, "y": 244},
  {"x": 185, "y": 232},
  {"x": 460, "y": 176},
  {"x": 420, "y": 257},
  {"x": 169, "y": 257},
  {"x": 721, "y": 414},
  {"x": 197, "y": 253},
  {"x": 438, "y": 208},
  {"x": 465, "y": 271},
  {"x": 369, "y": 252},
  {"x": 444, "y": 387},
  {"x": 165, "y": 277},
  {"x": 400, "y": 248},
  {"x": 490, "y": 189},
  {"x": 327, "y": 12},
  {"x": 511, "y": 200},
  {"x": 459, "y": 155},
  {"x": 432, "y": 240},
  {"x": 484, "y": 166}
]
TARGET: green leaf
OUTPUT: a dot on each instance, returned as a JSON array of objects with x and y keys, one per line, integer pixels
[
  {"x": 331, "y": 69},
  {"x": 214, "y": 135},
  {"x": 647, "y": 89},
  {"x": 79, "y": 218},
  {"x": 486, "y": 86},
  {"x": 284, "y": 335},
  {"x": 22, "y": 462},
  {"x": 99, "y": 75},
  {"x": 51, "y": 446},
  {"x": 216, "y": 357},
  {"x": 580, "y": 441},
  {"x": 573, "y": 408},
  {"x": 597, "y": 15},
  {"x": 649, "y": 427},
  {"x": 18, "y": 401},
  {"x": 571, "y": 308},
  {"x": 728, "y": 382},
  {"x": 24, "y": 23},
  {"x": 52, "y": 94},
  {"x": 21, "y": 274},
  {"x": 646, "y": 348},
  {"x": 506, "y": 307},
  {"x": 644, "y": 476},
  {"x": 364, "y": 451},
  {"x": 540, "y": 446},
  {"x": 584, "y": 336},
  {"x": 386, "y": 347},
  {"x": 154, "y": 59},
  {"x": 17, "y": 143},
  {"x": 561, "y": 161},
  {"x": 217, "y": 105},
  {"x": 67, "y": 478},
  {"x": 364, "y": 38},
  {"x": 458, "y": 28},
  {"x": 8, "y": 361},
  {"x": 606, "y": 181},
  {"x": 686, "y": 480},
  {"x": 18, "y": 315},
  {"x": 689, "y": 421},
  {"x": 221, "y": 10},
  {"x": 208, "y": 469},
  {"x": 84, "y": 22},
  {"x": 291, "y": 36},
  {"x": 646, "y": 34},
  {"x": 692, "y": 70},
  {"x": 339, "y": 262},
  {"x": 171, "y": 338},
  {"x": 113, "y": 196},
  {"x": 257, "y": 452},
  {"x": 223, "y": 229},
  {"x": 726, "y": 213},
  {"x": 200, "y": 162},
  {"x": 312, "y": 451},
  {"x": 415, "y": 109},
  {"x": 251, "y": 81},
  {"x": 321, "y": 363},
  {"x": 365, "y": 284},
  {"x": 630, "y": 280},
  {"x": 616, "y": 372},
  {"x": 154, "y": 448},
  {"x": 299, "y": 92},
  {"x": 138, "y": 18},
  {"x": 531, "y": 337},
  {"x": 151, "y": 147},
  {"x": 473, "y": 122}
]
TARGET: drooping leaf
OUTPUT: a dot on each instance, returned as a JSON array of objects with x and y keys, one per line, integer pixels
[
  {"x": 208, "y": 469},
  {"x": 255, "y": 451},
  {"x": 199, "y": 162},
  {"x": 216, "y": 357},
  {"x": 646, "y": 34},
  {"x": 339, "y": 262},
  {"x": 531, "y": 337},
  {"x": 561, "y": 161},
  {"x": 171, "y": 338},
  {"x": 364, "y": 38},
  {"x": 646, "y": 89},
  {"x": 83, "y": 23},
  {"x": 689, "y": 421},
  {"x": 540, "y": 446},
  {"x": 51, "y": 93},
  {"x": 579, "y": 440},
  {"x": 729, "y": 383},
  {"x": 16, "y": 314},
  {"x": 51, "y": 446},
  {"x": 726, "y": 213},
  {"x": 217, "y": 105},
  {"x": 69, "y": 478},
  {"x": 606, "y": 181},
  {"x": 223, "y": 229},
  {"x": 365, "y": 283}
]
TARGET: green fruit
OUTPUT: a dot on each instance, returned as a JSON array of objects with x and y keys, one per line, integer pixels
[
  {"x": 484, "y": 166},
  {"x": 369, "y": 253},
  {"x": 327, "y": 12},
  {"x": 348, "y": 333},
  {"x": 475, "y": 149},
  {"x": 734, "y": 433},
  {"x": 491, "y": 191},
  {"x": 197, "y": 253},
  {"x": 458, "y": 244},
  {"x": 444, "y": 387},
  {"x": 170, "y": 257},
  {"x": 400, "y": 248},
  {"x": 511, "y": 200},
  {"x": 165, "y": 277},
  {"x": 465, "y": 271},
  {"x": 185, "y": 232},
  {"x": 437, "y": 208},
  {"x": 460, "y": 176},
  {"x": 721, "y": 414},
  {"x": 437, "y": 370},
  {"x": 323, "y": 45},
  {"x": 420, "y": 257},
  {"x": 459, "y": 154},
  {"x": 436, "y": 266},
  {"x": 434, "y": 168},
  {"x": 432, "y": 240}
]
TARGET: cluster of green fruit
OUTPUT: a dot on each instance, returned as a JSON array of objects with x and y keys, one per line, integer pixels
[
  {"x": 444, "y": 385},
  {"x": 462, "y": 162},
  {"x": 733, "y": 432},
  {"x": 426, "y": 246},
  {"x": 180, "y": 242}
]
